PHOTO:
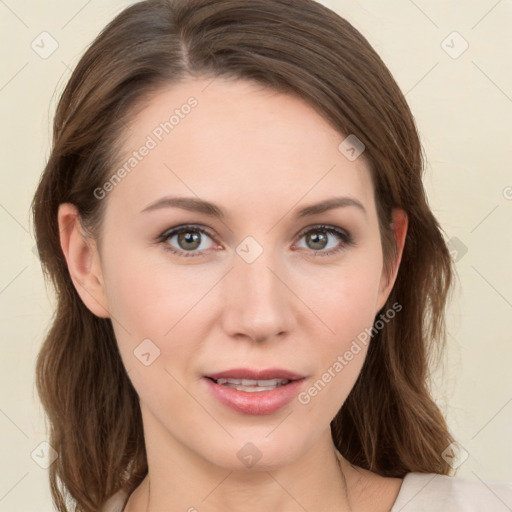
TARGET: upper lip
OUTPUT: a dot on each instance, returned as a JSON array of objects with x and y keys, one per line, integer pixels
[{"x": 256, "y": 374}]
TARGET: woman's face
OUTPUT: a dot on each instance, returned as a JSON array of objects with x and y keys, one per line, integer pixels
[{"x": 262, "y": 287}]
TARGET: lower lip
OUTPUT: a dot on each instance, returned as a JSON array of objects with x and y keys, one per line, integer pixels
[{"x": 257, "y": 402}]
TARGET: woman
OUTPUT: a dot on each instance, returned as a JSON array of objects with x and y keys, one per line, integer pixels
[{"x": 281, "y": 361}]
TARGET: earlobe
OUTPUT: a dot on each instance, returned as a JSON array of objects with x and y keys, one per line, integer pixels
[
  {"x": 83, "y": 261},
  {"x": 399, "y": 225}
]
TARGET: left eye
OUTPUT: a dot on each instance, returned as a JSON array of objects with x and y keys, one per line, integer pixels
[{"x": 318, "y": 236}]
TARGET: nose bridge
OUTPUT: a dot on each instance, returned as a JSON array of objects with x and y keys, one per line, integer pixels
[{"x": 258, "y": 303}]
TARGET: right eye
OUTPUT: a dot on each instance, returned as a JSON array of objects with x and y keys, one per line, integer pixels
[{"x": 189, "y": 240}]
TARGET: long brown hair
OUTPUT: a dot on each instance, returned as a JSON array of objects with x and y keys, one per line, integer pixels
[{"x": 389, "y": 423}]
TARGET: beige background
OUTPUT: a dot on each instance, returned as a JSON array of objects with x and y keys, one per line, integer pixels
[{"x": 463, "y": 108}]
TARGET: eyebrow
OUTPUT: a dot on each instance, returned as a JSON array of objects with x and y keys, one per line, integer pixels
[{"x": 212, "y": 210}]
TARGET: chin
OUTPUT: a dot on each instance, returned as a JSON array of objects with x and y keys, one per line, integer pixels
[{"x": 254, "y": 456}]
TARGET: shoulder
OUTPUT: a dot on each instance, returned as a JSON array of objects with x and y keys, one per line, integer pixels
[
  {"x": 421, "y": 492},
  {"x": 115, "y": 503}
]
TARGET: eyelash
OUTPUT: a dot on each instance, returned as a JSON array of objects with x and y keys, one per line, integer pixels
[{"x": 344, "y": 236}]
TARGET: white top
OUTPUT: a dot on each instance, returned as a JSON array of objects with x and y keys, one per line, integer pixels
[
  {"x": 430, "y": 492},
  {"x": 424, "y": 492}
]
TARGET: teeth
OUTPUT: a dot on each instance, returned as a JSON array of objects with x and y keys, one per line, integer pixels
[
  {"x": 259, "y": 383},
  {"x": 250, "y": 389},
  {"x": 252, "y": 386}
]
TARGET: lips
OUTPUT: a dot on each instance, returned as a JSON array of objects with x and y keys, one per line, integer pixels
[
  {"x": 256, "y": 374},
  {"x": 257, "y": 402},
  {"x": 254, "y": 400}
]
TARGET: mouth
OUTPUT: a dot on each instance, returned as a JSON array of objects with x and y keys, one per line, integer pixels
[{"x": 254, "y": 392}]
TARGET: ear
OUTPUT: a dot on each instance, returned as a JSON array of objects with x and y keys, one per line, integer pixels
[
  {"x": 83, "y": 260},
  {"x": 399, "y": 225}
]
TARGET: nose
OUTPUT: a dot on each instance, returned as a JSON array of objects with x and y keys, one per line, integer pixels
[{"x": 258, "y": 303}]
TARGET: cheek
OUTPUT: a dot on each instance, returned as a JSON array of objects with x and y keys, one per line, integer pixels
[
  {"x": 146, "y": 294},
  {"x": 340, "y": 352},
  {"x": 153, "y": 299},
  {"x": 149, "y": 316},
  {"x": 345, "y": 304},
  {"x": 345, "y": 299}
]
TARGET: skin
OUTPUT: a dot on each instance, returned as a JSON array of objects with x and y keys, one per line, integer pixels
[{"x": 260, "y": 155}]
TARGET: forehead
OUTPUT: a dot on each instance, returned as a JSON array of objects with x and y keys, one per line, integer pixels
[{"x": 235, "y": 142}]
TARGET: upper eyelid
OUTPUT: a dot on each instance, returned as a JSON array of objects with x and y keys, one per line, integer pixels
[
  {"x": 198, "y": 227},
  {"x": 322, "y": 226}
]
